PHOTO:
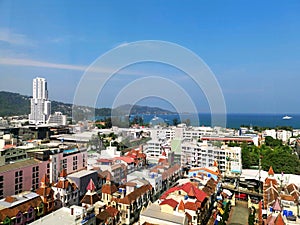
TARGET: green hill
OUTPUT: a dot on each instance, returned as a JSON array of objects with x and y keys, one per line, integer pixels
[{"x": 13, "y": 104}]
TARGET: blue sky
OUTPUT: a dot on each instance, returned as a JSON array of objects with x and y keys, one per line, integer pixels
[{"x": 252, "y": 47}]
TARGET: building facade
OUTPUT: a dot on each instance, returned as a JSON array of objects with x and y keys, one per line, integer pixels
[{"x": 40, "y": 105}]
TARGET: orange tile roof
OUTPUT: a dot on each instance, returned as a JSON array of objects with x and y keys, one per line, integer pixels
[
  {"x": 271, "y": 171},
  {"x": 112, "y": 211},
  {"x": 191, "y": 206},
  {"x": 109, "y": 189},
  {"x": 132, "y": 196},
  {"x": 181, "y": 206},
  {"x": 45, "y": 180},
  {"x": 45, "y": 192},
  {"x": 63, "y": 173},
  {"x": 64, "y": 184},
  {"x": 279, "y": 220}
]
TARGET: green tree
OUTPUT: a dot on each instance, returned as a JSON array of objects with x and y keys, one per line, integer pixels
[{"x": 175, "y": 121}]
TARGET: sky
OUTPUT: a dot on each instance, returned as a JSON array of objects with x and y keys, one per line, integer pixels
[{"x": 252, "y": 48}]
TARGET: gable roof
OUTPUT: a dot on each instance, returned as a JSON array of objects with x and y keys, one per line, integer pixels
[
  {"x": 171, "y": 202},
  {"x": 132, "y": 196},
  {"x": 65, "y": 184},
  {"x": 90, "y": 199},
  {"x": 199, "y": 194},
  {"x": 22, "y": 207},
  {"x": 109, "y": 189}
]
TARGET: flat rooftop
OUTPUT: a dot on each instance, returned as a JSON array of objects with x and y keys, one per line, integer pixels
[
  {"x": 154, "y": 212},
  {"x": 82, "y": 173}
]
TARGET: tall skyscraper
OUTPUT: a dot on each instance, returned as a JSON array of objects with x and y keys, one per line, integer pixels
[{"x": 40, "y": 105}]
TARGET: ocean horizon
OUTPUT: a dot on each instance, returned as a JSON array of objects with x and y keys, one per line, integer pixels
[{"x": 233, "y": 120}]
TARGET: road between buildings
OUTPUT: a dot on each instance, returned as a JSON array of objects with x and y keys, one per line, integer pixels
[{"x": 239, "y": 214}]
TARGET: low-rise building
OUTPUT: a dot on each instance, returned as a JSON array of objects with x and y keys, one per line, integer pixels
[
  {"x": 21, "y": 209},
  {"x": 76, "y": 215},
  {"x": 82, "y": 179},
  {"x": 66, "y": 193}
]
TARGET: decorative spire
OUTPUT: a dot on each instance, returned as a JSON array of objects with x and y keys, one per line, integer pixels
[
  {"x": 216, "y": 163},
  {"x": 91, "y": 186},
  {"x": 63, "y": 173},
  {"x": 191, "y": 192},
  {"x": 108, "y": 178},
  {"x": 45, "y": 181},
  {"x": 271, "y": 171},
  {"x": 181, "y": 206},
  {"x": 276, "y": 206},
  {"x": 279, "y": 220}
]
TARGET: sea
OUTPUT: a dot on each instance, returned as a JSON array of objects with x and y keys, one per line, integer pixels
[{"x": 233, "y": 120}]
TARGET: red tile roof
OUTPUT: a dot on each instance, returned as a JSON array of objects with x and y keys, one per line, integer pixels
[
  {"x": 199, "y": 194},
  {"x": 105, "y": 160},
  {"x": 170, "y": 202},
  {"x": 126, "y": 159},
  {"x": 191, "y": 206}
]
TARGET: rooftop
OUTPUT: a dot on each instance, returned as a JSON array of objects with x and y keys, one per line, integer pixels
[
  {"x": 82, "y": 173},
  {"x": 154, "y": 212},
  {"x": 18, "y": 165}
]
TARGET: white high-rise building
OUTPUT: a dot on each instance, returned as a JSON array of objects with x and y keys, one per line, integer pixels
[{"x": 40, "y": 105}]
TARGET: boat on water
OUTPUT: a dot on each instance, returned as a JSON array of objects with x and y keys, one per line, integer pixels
[{"x": 287, "y": 117}]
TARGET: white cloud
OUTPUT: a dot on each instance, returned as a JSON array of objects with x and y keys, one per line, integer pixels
[
  {"x": 35, "y": 63},
  {"x": 12, "y": 38}
]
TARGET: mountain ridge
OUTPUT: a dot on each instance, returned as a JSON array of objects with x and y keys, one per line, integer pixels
[{"x": 13, "y": 104}]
